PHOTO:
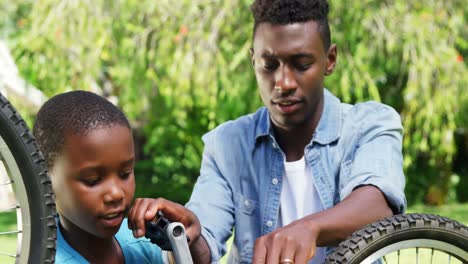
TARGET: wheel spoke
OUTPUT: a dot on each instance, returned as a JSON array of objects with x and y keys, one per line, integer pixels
[
  {"x": 432, "y": 255},
  {"x": 9, "y": 209},
  {"x": 417, "y": 255},
  {"x": 10, "y": 232},
  {"x": 6, "y": 183},
  {"x": 8, "y": 254}
]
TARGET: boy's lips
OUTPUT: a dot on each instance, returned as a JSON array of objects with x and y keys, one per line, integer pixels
[{"x": 113, "y": 219}]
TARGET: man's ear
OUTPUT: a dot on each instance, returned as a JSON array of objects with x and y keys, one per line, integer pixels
[
  {"x": 252, "y": 60},
  {"x": 331, "y": 59}
]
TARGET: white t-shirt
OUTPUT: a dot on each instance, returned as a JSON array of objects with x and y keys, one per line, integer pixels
[{"x": 299, "y": 198}]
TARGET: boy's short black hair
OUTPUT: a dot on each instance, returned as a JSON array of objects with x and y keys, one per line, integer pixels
[
  {"x": 293, "y": 11},
  {"x": 75, "y": 112}
]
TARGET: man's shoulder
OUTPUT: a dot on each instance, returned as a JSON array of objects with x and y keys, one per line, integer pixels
[
  {"x": 246, "y": 127},
  {"x": 369, "y": 118},
  {"x": 369, "y": 111}
]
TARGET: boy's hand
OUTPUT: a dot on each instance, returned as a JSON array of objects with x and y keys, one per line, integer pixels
[{"x": 145, "y": 209}]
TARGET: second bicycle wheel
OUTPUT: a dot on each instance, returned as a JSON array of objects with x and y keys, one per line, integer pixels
[
  {"x": 411, "y": 238},
  {"x": 23, "y": 173}
]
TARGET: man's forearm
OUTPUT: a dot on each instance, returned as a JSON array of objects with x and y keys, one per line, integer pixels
[
  {"x": 364, "y": 205},
  {"x": 200, "y": 251}
]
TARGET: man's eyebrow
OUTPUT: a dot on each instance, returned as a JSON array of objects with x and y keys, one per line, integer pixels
[
  {"x": 268, "y": 56},
  {"x": 294, "y": 56},
  {"x": 303, "y": 55}
]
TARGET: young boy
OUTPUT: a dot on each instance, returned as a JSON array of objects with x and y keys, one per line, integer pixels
[{"x": 88, "y": 145}]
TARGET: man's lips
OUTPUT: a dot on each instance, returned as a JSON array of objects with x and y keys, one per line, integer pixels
[
  {"x": 286, "y": 100},
  {"x": 287, "y": 106}
]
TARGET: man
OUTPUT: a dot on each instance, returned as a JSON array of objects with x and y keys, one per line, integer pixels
[{"x": 303, "y": 172}]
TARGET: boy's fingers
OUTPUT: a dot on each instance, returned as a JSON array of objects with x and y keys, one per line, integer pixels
[
  {"x": 131, "y": 216},
  {"x": 151, "y": 212},
  {"x": 140, "y": 216}
]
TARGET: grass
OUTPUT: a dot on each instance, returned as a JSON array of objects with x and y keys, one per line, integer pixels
[
  {"x": 457, "y": 212},
  {"x": 7, "y": 242}
]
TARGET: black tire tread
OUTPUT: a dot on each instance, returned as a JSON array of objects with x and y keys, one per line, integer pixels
[
  {"x": 376, "y": 232},
  {"x": 11, "y": 120}
]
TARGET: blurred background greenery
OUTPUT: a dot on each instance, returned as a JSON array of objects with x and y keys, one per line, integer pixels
[{"x": 180, "y": 68}]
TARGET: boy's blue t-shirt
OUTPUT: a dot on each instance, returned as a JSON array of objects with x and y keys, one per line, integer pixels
[{"x": 135, "y": 250}]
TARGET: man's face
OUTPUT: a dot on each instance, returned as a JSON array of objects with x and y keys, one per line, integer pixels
[
  {"x": 93, "y": 181},
  {"x": 290, "y": 63}
]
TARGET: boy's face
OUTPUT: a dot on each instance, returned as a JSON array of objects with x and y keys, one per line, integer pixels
[
  {"x": 93, "y": 180},
  {"x": 290, "y": 63}
]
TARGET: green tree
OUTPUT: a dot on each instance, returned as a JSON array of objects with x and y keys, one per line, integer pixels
[{"x": 180, "y": 68}]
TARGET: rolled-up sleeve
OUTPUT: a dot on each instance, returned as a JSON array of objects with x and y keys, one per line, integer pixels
[
  {"x": 376, "y": 157},
  {"x": 212, "y": 201}
]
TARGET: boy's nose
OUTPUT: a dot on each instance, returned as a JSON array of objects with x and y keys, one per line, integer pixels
[{"x": 114, "y": 193}]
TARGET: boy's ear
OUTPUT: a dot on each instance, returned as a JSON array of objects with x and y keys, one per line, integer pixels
[{"x": 252, "y": 60}]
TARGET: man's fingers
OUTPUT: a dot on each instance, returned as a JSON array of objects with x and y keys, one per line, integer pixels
[
  {"x": 288, "y": 252},
  {"x": 259, "y": 256}
]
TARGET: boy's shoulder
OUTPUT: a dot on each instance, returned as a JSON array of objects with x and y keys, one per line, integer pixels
[
  {"x": 137, "y": 250},
  {"x": 65, "y": 253}
]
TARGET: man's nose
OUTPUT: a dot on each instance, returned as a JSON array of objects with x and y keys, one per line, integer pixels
[{"x": 285, "y": 80}]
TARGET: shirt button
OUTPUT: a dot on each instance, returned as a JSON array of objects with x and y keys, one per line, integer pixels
[
  {"x": 269, "y": 223},
  {"x": 274, "y": 145},
  {"x": 247, "y": 203},
  {"x": 274, "y": 181}
]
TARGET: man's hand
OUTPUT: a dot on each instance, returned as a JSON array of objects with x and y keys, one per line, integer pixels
[
  {"x": 294, "y": 243},
  {"x": 297, "y": 241}
]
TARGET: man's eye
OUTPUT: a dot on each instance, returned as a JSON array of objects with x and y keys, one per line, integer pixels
[
  {"x": 302, "y": 66},
  {"x": 270, "y": 66}
]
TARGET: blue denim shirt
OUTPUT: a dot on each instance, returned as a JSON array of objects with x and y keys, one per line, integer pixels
[{"x": 242, "y": 168}]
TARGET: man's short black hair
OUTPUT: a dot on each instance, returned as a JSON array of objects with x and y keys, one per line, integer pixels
[
  {"x": 76, "y": 112},
  {"x": 285, "y": 12}
]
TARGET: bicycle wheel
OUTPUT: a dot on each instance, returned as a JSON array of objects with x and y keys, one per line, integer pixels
[
  {"x": 411, "y": 238},
  {"x": 24, "y": 174}
]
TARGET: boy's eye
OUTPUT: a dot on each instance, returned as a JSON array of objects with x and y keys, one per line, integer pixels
[
  {"x": 125, "y": 174},
  {"x": 91, "y": 181}
]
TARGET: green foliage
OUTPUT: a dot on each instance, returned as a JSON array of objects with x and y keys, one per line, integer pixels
[
  {"x": 180, "y": 68},
  {"x": 405, "y": 53}
]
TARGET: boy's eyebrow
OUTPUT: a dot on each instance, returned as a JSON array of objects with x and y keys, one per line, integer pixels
[
  {"x": 128, "y": 162},
  {"x": 99, "y": 168}
]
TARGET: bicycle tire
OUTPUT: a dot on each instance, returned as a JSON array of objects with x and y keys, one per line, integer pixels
[
  {"x": 33, "y": 190},
  {"x": 410, "y": 230}
]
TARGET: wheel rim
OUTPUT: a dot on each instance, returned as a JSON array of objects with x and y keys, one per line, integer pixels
[
  {"x": 9, "y": 167},
  {"x": 433, "y": 246}
]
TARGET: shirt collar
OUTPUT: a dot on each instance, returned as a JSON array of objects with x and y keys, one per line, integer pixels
[{"x": 328, "y": 128}]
